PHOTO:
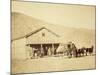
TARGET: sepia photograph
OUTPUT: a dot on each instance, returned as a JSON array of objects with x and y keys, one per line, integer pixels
[{"x": 52, "y": 37}]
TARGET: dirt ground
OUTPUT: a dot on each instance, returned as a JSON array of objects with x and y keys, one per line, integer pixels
[{"x": 48, "y": 64}]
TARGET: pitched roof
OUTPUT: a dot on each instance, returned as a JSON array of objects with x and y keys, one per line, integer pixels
[
  {"x": 41, "y": 29},
  {"x": 34, "y": 32}
]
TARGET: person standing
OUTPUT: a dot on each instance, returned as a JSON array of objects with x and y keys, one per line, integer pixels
[{"x": 49, "y": 51}]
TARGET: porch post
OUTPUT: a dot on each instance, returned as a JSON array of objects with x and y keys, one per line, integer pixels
[
  {"x": 53, "y": 49},
  {"x": 42, "y": 52}
]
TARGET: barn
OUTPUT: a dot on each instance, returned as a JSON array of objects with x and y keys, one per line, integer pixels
[{"x": 41, "y": 40}]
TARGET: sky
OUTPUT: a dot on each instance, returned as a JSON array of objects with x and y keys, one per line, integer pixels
[{"x": 77, "y": 16}]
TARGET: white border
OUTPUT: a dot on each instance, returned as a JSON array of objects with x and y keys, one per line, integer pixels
[{"x": 5, "y": 36}]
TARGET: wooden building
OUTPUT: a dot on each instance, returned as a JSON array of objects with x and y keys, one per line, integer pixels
[{"x": 41, "y": 40}]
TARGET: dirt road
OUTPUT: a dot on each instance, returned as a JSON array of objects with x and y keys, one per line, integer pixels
[{"x": 53, "y": 64}]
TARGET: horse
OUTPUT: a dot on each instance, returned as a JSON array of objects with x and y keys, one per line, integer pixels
[
  {"x": 89, "y": 50},
  {"x": 81, "y": 52}
]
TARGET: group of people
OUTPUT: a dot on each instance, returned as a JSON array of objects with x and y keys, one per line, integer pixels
[
  {"x": 39, "y": 53},
  {"x": 68, "y": 49}
]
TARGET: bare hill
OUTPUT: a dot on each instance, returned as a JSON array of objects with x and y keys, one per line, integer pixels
[{"x": 23, "y": 24}]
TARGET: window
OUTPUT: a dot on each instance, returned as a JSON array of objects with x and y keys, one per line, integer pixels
[{"x": 43, "y": 34}]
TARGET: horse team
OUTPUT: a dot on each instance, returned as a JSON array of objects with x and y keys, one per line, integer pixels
[
  {"x": 85, "y": 51},
  {"x": 72, "y": 51}
]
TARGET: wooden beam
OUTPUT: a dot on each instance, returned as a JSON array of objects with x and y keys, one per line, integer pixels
[
  {"x": 53, "y": 49},
  {"x": 42, "y": 51}
]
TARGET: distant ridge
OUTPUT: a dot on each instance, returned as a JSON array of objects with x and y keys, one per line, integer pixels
[{"x": 23, "y": 25}]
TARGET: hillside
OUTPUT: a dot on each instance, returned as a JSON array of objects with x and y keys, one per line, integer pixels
[{"x": 23, "y": 24}]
